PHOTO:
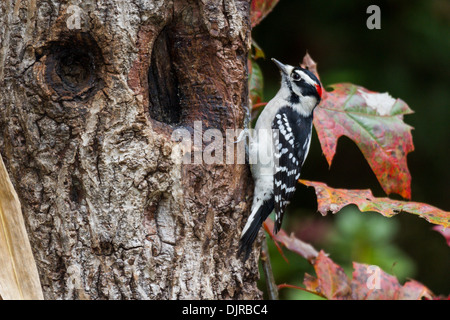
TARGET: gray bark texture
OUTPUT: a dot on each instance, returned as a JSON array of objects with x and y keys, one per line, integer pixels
[{"x": 90, "y": 93}]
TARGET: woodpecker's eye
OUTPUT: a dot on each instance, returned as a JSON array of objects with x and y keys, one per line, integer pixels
[{"x": 295, "y": 76}]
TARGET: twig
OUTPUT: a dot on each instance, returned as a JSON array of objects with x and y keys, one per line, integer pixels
[
  {"x": 272, "y": 288},
  {"x": 258, "y": 105}
]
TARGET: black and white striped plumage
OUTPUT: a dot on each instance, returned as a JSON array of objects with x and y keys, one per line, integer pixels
[
  {"x": 288, "y": 117},
  {"x": 292, "y": 139}
]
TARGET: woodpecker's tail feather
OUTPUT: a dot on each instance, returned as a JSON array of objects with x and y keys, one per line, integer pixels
[{"x": 252, "y": 227}]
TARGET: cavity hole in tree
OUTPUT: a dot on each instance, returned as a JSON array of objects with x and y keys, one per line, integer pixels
[
  {"x": 164, "y": 95},
  {"x": 73, "y": 66}
]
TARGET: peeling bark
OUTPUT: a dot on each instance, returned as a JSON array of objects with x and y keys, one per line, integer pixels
[{"x": 88, "y": 108}]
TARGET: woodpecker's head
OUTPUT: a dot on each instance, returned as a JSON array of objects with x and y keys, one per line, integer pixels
[{"x": 299, "y": 86}]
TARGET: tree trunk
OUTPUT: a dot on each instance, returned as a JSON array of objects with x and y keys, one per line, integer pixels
[{"x": 90, "y": 95}]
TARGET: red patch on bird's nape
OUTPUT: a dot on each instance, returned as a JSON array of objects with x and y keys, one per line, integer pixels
[{"x": 319, "y": 90}]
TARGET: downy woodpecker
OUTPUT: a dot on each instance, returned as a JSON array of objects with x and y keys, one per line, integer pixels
[{"x": 288, "y": 117}]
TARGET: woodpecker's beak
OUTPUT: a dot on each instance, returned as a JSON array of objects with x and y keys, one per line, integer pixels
[{"x": 281, "y": 66}]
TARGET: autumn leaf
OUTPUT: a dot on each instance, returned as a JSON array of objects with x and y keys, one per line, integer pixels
[
  {"x": 372, "y": 283},
  {"x": 256, "y": 88},
  {"x": 256, "y": 51},
  {"x": 332, "y": 200},
  {"x": 374, "y": 121},
  {"x": 368, "y": 282},
  {"x": 311, "y": 65},
  {"x": 255, "y": 82},
  {"x": 260, "y": 9},
  {"x": 331, "y": 281},
  {"x": 445, "y": 233},
  {"x": 292, "y": 243}
]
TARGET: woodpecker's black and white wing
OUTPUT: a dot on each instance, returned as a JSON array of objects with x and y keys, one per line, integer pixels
[{"x": 292, "y": 137}]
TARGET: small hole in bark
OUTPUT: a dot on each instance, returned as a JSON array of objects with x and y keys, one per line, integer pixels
[
  {"x": 104, "y": 248},
  {"x": 76, "y": 190},
  {"x": 163, "y": 83},
  {"x": 73, "y": 66}
]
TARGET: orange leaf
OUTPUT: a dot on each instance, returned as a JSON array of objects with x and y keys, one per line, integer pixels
[
  {"x": 331, "y": 281},
  {"x": 332, "y": 200}
]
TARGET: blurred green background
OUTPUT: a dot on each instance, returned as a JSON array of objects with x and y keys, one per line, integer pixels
[{"x": 409, "y": 57}]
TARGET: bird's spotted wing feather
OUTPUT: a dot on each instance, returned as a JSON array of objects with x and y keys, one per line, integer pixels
[{"x": 290, "y": 149}]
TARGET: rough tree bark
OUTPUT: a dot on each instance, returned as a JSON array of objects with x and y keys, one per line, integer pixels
[{"x": 90, "y": 93}]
